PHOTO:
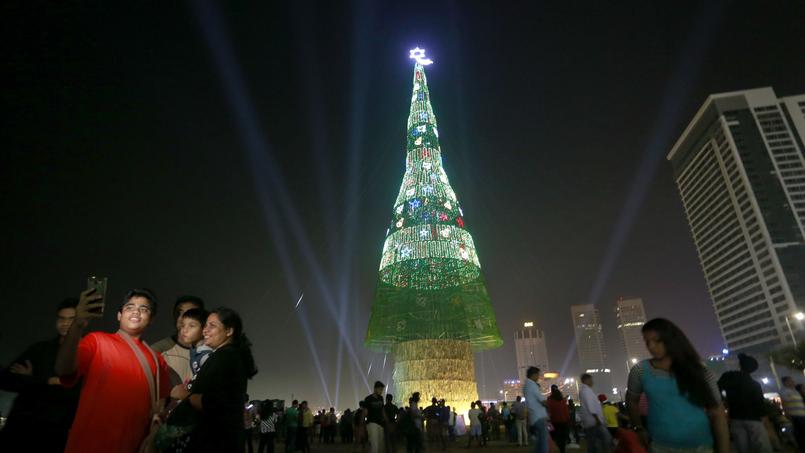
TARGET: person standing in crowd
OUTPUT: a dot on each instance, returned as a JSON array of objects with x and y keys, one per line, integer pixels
[
  {"x": 415, "y": 432},
  {"x": 484, "y": 422},
  {"x": 306, "y": 427},
  {"x": 574, "y": 425},
  {"x": 506, "y": 415},
  {"x": 432, "y": 425},
  {"x": 592, "y": 417},
  {"x": 43, "y": 410},
  {"x": 291, "y": 426},
  {"x": 745, "y": 407},
  {"x": 375, "y": 418},
  {"x": 268, "y": 427},
  {"x": 117, "y": 397},
  {"x": 444, "y": 421},
  {"x": 519, "y": 411},
  {"x": 794, "y": 409},
  {"x": 685, "y": 411},
  {"x": 176, "y": 351},
  {"x": 218, "y": 391},
  {"x": 391, "y": 411},
  {"x": 610, "y": 414},
  {"x": 537, "y": 413},
  {"x": 559, "y": 415},
  {"x": 360, "y": 425},
  {"x": 451, "y": 424},
  {"x": 474, "y": 416},
  {"x": 494, "y": 421},
  {"x": 345, "y": 425}
]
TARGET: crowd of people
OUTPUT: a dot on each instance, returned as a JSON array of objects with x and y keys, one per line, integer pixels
[{"x": 88, "y": 391}]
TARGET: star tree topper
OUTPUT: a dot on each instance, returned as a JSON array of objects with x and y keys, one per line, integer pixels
[{"x": 419, "y": 55}]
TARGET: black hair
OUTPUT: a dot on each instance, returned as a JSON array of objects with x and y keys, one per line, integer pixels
[
  {"x": 70, "y": 302},
  {"x": 294, "y": 402},
  {"x": 231, "y": 320},
  {"x": 379, "y": 384},
  {"x": 389, "y": 397},
  {"x": 686, "y": 364},
  {"x": 556, "y": 394},
  {"x": 145, "y": 293},
  {"x": 747, "y": 363},
  {"x": 785, "y": 379},
  {"x": 197, "y": 301},
  {"x": 532, "y": 370},
  {"x": 197, "y": 314},
  {"x": 585, "y": 376}
]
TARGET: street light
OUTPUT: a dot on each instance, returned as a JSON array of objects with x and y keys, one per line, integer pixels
[{"x": 765, "y": 380}]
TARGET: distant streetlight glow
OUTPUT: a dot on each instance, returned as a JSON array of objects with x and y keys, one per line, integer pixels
[
  {"x": 765, "y": 380},
  {"x": 531, "y": 324},
  {"x": 799, "y": 316},
  {"x": 725, "y": 351},
  {"x": 634, "y": 360}
]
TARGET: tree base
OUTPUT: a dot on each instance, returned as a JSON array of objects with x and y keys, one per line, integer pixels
[{"x": 444, "y": 369}]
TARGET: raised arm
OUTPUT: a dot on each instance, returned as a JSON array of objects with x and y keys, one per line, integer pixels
[{"x": 67, "y": 358}]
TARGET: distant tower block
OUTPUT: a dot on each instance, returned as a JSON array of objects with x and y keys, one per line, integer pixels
[
  {"x": 529, "y": 346},
  {"x": 590, "y": 346},
  {"x": 431, "y": 309},
  {"x": 631, "y": 317}
]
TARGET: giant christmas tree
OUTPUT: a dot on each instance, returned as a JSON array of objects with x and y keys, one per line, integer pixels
[{"x": 431, "y": 308}]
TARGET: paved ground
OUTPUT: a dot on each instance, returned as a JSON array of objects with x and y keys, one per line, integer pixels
[{"x": 459, "y": 446}]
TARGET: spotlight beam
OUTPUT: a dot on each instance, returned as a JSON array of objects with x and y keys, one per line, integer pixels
[{"x": 671, "y": 109}]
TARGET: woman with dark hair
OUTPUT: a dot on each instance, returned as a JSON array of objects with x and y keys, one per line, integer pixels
[
  {"x": 685, "y": 412},
  {"x": 559, "y": 414},
  {"x": 218, "y": 389}
]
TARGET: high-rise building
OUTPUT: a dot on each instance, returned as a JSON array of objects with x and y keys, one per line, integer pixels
[
  {"x": 590, "y": 345},
  {"x": 529, "y": 345},
  {"x": 631, "y": 316},
  {"x": 740, "y": 170}
]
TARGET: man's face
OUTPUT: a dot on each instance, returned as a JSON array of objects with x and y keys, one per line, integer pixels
[
  {"x": 789, "y": 383},
  {"x": 135, "y": 315},
  {"x": 64, "y": 319},
  {"x": 379, "y": 391},
  {"x": 180, "y": 309},
  {"x": 588, "y": 381}
]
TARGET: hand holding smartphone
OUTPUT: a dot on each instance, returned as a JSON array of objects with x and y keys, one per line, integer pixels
[{"x": 96, "y": 291}]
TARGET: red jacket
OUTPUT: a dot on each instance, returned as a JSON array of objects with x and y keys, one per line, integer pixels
[{"x": 558, "y": 411}]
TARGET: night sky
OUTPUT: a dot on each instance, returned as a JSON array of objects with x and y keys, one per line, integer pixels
[{"x": 248, "y": 154}]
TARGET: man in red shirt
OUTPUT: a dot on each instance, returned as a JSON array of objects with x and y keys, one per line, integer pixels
[{"x": 115, "y": 408}]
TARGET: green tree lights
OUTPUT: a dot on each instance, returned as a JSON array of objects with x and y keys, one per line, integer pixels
[{"x": 429, "y": 284}]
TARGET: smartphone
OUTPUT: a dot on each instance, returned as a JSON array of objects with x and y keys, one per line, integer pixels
[{"x": 99, "y": 284}]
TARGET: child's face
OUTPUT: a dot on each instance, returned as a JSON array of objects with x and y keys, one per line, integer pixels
[{"x": 190, "y": 332}]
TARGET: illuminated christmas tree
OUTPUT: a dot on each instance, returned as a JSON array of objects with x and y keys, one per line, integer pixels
[{"x": 431, "y": 308}]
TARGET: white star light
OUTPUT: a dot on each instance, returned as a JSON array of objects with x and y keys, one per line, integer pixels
[{"x": 419, "y": 55}]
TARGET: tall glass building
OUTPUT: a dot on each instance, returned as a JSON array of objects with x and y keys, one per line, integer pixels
[{"x": 740, "y": 170}]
